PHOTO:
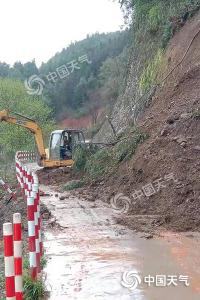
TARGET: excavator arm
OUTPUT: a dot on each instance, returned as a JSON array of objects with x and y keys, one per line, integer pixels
[
  {"x": 32, "y": 126},
  {"x": 29, "y": 124}
]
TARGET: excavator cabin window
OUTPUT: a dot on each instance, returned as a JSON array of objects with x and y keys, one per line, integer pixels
[
  {"x": 66, "y": 146},
  {"x": 63, "y": 143}
]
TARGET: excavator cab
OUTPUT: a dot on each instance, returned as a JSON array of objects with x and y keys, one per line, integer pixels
[
  {"x": 61, "y": 146},
  {"x": 63, "y": 143}
]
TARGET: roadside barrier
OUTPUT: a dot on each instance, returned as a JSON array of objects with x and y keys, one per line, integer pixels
[
  {"x": 31, "y": 236},
  {"x": 9, "y": 261},
  {"x": 26, "y": 156},
  {"x": 17, "y": 243},
  {"x": 8, "y": 189},
  {"x": 12, "y": 232},
  {"x": 29, "y": 184}
]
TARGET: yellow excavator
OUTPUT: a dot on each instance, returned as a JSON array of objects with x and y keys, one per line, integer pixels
[{"x": 61, "y": 144}]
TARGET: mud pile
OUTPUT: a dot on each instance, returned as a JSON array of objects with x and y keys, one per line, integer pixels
[
  {"x": 56, "y": 176},
  {"x": 173, "y": 124}
]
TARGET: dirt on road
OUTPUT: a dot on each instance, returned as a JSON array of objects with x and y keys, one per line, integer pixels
[{"x": 88, "y": 252}]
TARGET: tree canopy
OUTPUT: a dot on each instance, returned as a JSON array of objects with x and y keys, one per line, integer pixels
[
  {"x": 14, "y": 97},
  {"x": 76, "y": 92},
  {"x": 95, "y": 82}
]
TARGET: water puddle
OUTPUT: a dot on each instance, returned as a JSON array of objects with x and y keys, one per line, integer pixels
[{"x": 88, "y": 254}]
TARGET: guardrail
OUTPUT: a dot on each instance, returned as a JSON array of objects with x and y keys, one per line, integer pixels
[
  {"x": 28, "y": 182},
  {"x": 6, "y": 187},
  {"x": 26, "y": 156}
]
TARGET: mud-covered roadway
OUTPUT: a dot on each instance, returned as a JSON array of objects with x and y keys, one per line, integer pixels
[{"x": 88, "y": 253}]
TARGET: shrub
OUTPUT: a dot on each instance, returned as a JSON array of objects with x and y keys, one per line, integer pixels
[
  {"x": 155, "y": 18},
  {"x": 33, "y": 290},
  {"x": 167, "y": 35},
  {"x": 80, "y": 157},
  {"x": 126, "y": 148},
  {"x": 149, "y": 75},
  {"x": 98, "y": 163},
  {"x": 43, "y": 262},
  {"x": 106, "y": 160}
]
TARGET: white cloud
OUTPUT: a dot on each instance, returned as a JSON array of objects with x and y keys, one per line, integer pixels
[{"x": 40, "y": 28}]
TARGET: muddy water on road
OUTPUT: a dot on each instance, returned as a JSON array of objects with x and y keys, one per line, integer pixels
[{"x": 89, "y": 252}]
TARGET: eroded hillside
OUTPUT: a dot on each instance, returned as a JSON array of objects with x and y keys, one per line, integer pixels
[{"x": 172, "y": 122}]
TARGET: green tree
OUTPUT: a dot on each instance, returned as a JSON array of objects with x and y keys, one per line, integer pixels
[
  {"x": 73, "y": 92},
  {"x": 4, "y": 70},
  {"x": 113, "y": 76},
  {"x": 23, "y": 71},
  {"x": 14, "y": 97}
]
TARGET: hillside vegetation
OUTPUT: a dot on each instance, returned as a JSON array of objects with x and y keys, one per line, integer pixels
[
  {"x": 95, "y": 81},
  {"x": 14, "y": 97},
  {"x": 156, "y": 121},
  {"x": 152, "y": 25}
]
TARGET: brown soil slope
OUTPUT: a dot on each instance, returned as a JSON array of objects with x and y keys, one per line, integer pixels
[{"x": 173, "y": 123}]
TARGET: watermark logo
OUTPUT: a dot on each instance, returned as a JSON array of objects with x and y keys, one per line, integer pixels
[
  {"x": 131, "y": 280},
  {"x": 120, "y": 203},
  {"x": 34, "y": 85}
]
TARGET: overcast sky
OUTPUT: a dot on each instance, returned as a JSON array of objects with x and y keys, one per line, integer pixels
[{"x": 40, "y": 28}]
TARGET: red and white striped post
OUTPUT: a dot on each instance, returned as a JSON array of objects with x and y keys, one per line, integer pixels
[
  {"x": 30, "y": 186},
  {"x": 22, "y": 183},
  {"x": 17, "y": 167},
  {"x": 7, "y": 188},
  {"x": 34, "y": 194},
  {"x": 31, "y": 235},
  {"x": 40, "y": 225},
  {"x": 9, "y": 261},
  {"x": 19, "y": 171},
  {"x": 26, "y": 182},
  {"x": 36, "y": 183},
  {"x": 17, "y": 238}
]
